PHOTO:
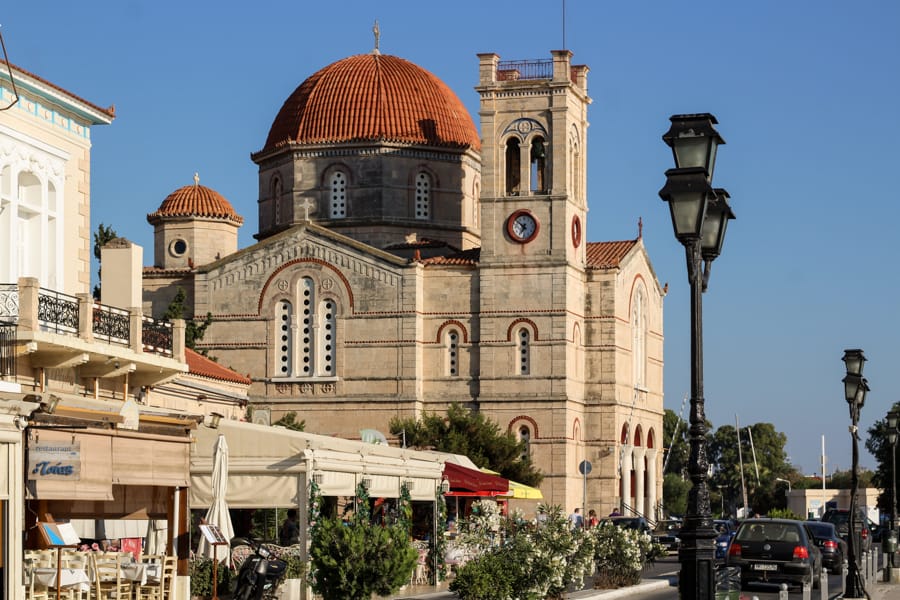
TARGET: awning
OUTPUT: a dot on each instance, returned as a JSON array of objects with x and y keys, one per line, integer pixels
[
  {"x": 519, "y": 491},
  {"x": 470, "y": 482}
]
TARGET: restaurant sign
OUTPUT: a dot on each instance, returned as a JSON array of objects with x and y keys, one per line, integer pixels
[{"x": 54, "y": 460}]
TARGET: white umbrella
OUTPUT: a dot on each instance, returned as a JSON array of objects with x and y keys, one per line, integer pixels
[{"x": 218, "y": 510}]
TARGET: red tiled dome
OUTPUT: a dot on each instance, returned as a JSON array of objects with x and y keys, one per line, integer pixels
[
  {"x": 374, "y": 97},
  {"x": 195, "y": 201}
]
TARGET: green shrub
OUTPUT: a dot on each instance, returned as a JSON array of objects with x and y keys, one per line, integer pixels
[
  {"x": 515, "y": 558},
  {"x": 201, "y": 569},
  {"x": 620, "y": 554}
]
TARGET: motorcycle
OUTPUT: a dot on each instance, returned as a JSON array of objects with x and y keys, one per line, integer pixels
[{"x": 260, "y": 573}]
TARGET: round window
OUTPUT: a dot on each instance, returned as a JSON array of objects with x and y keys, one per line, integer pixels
[{"x": 178, "y": 247}]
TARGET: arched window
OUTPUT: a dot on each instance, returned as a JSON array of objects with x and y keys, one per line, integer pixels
[
  {"x": 525, "y": 438},
  {"x": 423, "y": 196},
  {"x": 538, "y": 165},
  {"x": 285, "y": 338},
  {"x": 338, "y": 197},
  {"x": 326, "y": 337},
  {"x": 451, "y": 353},
  {"x": 523, "y": 345},
  {"x": 307, "y": 340},
  {"x": 513, "y": 161},
  {"x": 639, "y": 339},
  {"x": 307, "y": 335},
  {"x": 276, "y": 201}
]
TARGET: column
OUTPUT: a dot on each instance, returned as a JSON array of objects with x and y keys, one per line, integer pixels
[
  {"x": 639, "y": 480},
  {"x": 625, "y": 474},
  {"x": 652, "y": 497}
]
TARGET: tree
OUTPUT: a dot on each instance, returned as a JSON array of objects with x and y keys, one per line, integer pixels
[
  {"x": 879, "y": 447},
  {"x": 102, "y": 236},
  {"x": 289, "y": 421},
  {"x": 675, "y": 438},
  {"x": 353, "y": 561},
  {"x": 675, "y": 492},
  {"x": 470, "y": 433},
  {"x": 760, "y": 474},
  {"x": 193, "y": 331},
  {"x": 840, "y": 480}
]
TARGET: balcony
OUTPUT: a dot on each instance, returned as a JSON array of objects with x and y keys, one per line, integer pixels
[{"x": 60, "y": 331}]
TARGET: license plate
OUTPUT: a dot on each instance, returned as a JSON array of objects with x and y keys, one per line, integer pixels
[{"x": 765, "y": 567}]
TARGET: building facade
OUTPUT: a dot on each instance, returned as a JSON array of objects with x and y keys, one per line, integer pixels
[{"x": 404, "y": 261}]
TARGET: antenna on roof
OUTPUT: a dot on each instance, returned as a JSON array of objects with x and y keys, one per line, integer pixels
[
  {"x": 564, "y": 23},
  {"x": 377, "y": 33},
  {"x": 12, "y": 79}
]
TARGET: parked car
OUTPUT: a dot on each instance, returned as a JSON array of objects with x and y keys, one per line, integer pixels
[
  {"x": 840, "y": 518},
  {"x": 775, "y": 551},
  {"x": 725, "y": 529},
  {"x": 833, "y": 548},
  {"x": 638, "y": 523},
  {"x": 666, "y": 533}
]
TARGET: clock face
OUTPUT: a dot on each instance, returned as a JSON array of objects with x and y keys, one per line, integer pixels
[{"x": 522, "y": 226}]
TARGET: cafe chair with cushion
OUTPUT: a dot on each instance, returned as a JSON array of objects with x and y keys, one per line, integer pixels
[{"x": 108, "y": 583}]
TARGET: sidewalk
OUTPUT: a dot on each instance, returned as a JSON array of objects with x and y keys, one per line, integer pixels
[{"x": 442, "y": 593}]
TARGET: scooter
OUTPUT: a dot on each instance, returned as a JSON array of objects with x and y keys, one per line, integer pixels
[{"x": 260, "y": 573}]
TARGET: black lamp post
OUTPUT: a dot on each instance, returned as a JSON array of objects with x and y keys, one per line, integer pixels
[
  {"x": 700, "y": 215},
  {"x": 892, "y": 417},
  {"x": 855, "y": 388}
]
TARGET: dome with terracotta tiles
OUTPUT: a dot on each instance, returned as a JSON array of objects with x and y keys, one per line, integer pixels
[
  {"x": 373, "y": 97},
  {"x": 195, "y": 201}
]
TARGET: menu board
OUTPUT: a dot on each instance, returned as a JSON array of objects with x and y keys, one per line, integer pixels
[
  {"x": 59, "y": 534},
  {"x": 212, "y": 533}
]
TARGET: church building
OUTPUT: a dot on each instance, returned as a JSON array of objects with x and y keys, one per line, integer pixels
[{"x": 406, "y": 260}]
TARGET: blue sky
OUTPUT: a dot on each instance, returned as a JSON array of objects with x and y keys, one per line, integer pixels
[{"x": 807, "y": 94}]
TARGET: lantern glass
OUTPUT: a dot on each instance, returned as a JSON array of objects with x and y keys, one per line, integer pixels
[
  {"x": 687, "y": 192},
  {"x": 892, "y": 437},
  {"x": 712, "y": 236},
  {"x": 694, "y": 141},
  {"x": 892, "y": 421},
  {"x": 852, "y": 386},
  {"x": 854, "y": 359}
]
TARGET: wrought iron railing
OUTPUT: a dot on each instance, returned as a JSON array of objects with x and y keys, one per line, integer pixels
[
  {"x": 156, "y": 336},
  {"x": 7, "y": 349},
  {"x": 9, "y": 302},
  {"x": 512, "y": 70},
  {"x": 112, "y": 325},
  {"x": 57, "y": 312}
]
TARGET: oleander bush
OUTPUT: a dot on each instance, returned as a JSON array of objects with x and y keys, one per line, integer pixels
[{"x": 620, "y": 555}]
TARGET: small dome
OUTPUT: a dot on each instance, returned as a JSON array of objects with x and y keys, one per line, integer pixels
[
  {"x": 374, "y": 97},
  {"x": 195, "y": 201}
]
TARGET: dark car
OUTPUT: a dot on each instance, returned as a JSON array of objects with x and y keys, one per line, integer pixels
[
  {"x": 725, "y": 531},
  {"x": 840, "y": 518},
  {"x": 833, "y": 548},
  {"x": 775, "y": 551},
  {"x": 637, "y": 523},
  {"x": 666, "y": 533}
]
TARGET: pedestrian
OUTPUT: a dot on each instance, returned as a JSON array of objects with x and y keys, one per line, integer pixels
[
  {"x": 289, "y": 534},
  {"x": 576, "y": 521},
  {"x": 593, "y": 521},
  {"x": 615, "y": 513}
]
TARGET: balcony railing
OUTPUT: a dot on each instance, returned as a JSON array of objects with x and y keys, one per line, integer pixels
[
  {"x": 60, "y": 313},
  {"x": 156, "y": 336},
  {"x": 7, "y": 350},
  {"x": 512, "y": 70},
  {"x": 112, "y": 325}
]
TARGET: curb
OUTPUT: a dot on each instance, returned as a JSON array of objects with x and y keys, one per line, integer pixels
[{"x": 646, "y": 585}]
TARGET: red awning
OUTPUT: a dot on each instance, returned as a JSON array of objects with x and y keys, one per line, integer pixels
[{"x": 469, "y": 482}]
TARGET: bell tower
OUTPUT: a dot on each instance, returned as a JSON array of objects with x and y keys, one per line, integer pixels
[{"x": 534, "y": 135}]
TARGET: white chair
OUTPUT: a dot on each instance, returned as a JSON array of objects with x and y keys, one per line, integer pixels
[{"x": 108, "y": 583}]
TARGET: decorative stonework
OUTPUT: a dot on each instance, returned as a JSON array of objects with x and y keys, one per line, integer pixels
[
  {"x": 282, "y": 285},
  {"x": 306, "y": 388},
  {"x": 283, "y": 388},
  {"x": 327, "y": 284},
  {"x": 327, "y": 388}
]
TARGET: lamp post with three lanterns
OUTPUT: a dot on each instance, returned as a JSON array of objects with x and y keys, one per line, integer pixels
[
  {"x": 700, "y": 215},
  {"x": 855, "y": 389}
]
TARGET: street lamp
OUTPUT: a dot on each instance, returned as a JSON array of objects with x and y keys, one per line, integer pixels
[
  {"x": 785, "y": 481},
  {"x": 892, "y": 418},
  {"x": 855, "y": 389},
  {"x": 700, "y": 215}
]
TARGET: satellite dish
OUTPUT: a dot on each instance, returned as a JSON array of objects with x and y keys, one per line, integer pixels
[{"x": 373, "y": 436}]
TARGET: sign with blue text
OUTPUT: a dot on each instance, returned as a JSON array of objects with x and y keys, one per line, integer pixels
[{"x": 54, "y": 460}]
